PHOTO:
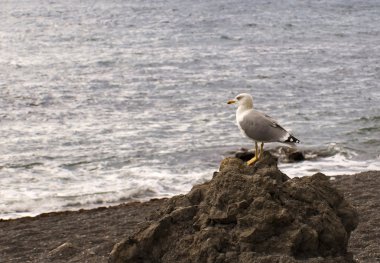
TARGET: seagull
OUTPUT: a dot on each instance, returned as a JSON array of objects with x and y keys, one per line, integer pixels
[{"x": 258, "y": 126}]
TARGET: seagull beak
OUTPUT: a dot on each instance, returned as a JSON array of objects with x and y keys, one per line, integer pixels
[{"x": 231, "y": 101}]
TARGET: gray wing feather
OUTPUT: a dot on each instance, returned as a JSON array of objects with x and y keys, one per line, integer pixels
[{"x": 262, "y": 128}]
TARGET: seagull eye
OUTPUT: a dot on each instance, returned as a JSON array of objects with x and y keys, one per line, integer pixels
[{"x": 238, "y": 98}]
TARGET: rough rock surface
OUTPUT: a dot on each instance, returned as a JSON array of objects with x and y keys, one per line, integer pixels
[{"x": 247, "y": 214}]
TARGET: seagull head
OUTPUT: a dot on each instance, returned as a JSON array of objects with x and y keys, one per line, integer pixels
[{"x": 243, "y": 100}]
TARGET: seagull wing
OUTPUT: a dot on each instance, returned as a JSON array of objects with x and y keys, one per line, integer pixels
[{"x": 262, "y": 128}]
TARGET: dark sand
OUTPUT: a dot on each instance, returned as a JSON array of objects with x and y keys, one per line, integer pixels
[
  {"x": 89, "y": 235},
  {"x": 363, "y": 192}
]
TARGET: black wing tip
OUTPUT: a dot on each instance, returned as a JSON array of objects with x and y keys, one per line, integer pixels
[{"x": 292, "y": 139}]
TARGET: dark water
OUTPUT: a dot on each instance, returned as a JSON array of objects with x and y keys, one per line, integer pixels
[{"x": 103, "y": 102}]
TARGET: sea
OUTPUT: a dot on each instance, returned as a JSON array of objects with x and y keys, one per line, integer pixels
[{"x": 105, "y": 102}]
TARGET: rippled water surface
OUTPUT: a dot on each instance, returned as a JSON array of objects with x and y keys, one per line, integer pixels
[{"x": 103, "y": 102}]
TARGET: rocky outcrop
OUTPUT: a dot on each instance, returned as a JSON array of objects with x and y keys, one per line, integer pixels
[{"x": 247, "y": 214}]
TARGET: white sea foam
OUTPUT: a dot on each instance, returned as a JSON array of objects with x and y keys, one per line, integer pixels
[
  {"x": 337, "y": 164},
  {"x": 32, "y": 197}
]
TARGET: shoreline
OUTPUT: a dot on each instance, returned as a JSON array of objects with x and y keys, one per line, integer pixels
[
  {"x": 293, "y": 162},
  {"x": 90, "y": 234}
]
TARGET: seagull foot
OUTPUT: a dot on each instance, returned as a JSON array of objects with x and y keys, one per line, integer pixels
[{"x": 252, "y": 161}]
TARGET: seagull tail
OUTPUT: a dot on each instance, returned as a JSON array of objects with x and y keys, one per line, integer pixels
[{"x": 291, "y": 139}]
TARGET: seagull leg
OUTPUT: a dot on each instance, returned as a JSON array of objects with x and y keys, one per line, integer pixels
[
  {"x": 261, "y": 151},
  {"x": 256, "y": 149},
  {"x": 254, "y": 159}
]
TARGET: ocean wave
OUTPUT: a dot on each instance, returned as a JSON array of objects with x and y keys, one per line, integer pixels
[
  {"x": 136, "y": 184},
  {"x": 333, "y": 165}
]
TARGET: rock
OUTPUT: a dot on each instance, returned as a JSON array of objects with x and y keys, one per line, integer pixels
[
  {"x": 296, "y": 156},
  {"x": 245, "y": 154},
  {"x": 284, "y": 154},
  {"x": 247, "y": 214},
  {"x": 63, "y": 251}
]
